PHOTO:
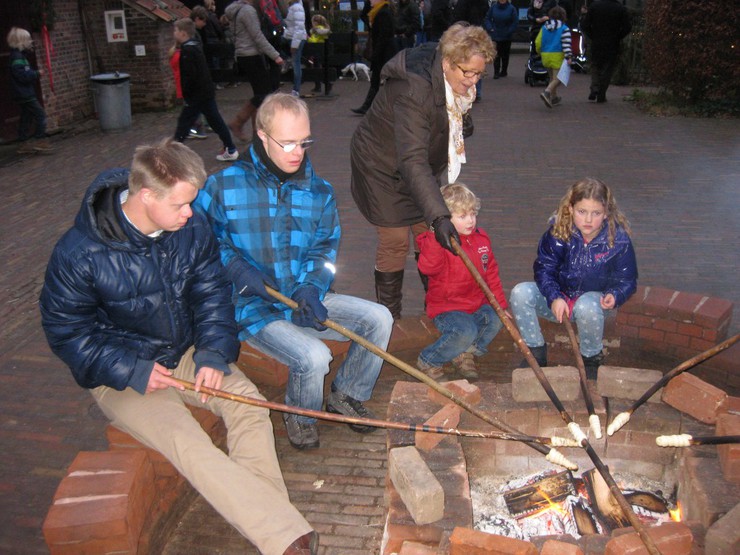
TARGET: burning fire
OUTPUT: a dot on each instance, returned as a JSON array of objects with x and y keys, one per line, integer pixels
[
  {"x": 552, "y": 505},
  {"x": 676, "y": 513}
]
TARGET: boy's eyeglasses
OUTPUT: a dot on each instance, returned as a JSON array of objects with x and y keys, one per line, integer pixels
[
  {"x": 305, "y": 144},
  {"x": 469, "y": 73}
]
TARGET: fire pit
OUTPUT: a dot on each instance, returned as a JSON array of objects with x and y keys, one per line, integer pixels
[{"x": 476, "y": 474}]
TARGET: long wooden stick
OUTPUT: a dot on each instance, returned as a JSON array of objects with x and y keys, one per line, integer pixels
[
  {"x": 623, "y": 417},
  {"x": 374, "y": 422},
  {"x": 687, "y": 440},
  {"x": 593, "y": 418},
  {"x": 572, "y": 426},
  {"x": 551, "y": 454}
]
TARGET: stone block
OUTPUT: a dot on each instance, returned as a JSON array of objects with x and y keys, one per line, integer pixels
[
  {"x": 446, "y": 417},
  {"x": 565, "y": 381},
  {"x": 670, "y": 537},
  {"x": 553, "y": 547},
  {"x": 462, "y": 389},
  {"x": 704, "y": 494},
  {"x": 627, "y": 383},
  {"x": 261, "y": 368},
  {"x": 724, "y": 535},
  {"x": 417, "y": 548},
  {"x": 417, "y": 486},
  {"x": 465, "y": 541},
  {"x": 102, "y": 504},
  {"x": 729, "y": 454},
  {"x": 694, "y": 397}
]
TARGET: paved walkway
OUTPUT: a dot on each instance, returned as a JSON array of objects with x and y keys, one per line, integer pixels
[{"x": 676, "y": 179}]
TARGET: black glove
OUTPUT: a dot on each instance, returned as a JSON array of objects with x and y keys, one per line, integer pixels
[
  {"x": 444, "y": 230},
  {"x": 310, "y": 312},
  {"x": 248, "y": 280}
]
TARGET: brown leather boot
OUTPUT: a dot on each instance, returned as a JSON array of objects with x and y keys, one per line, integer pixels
[
  {"x": 245, "y": 114},
  {"x": 307, "y": 544},
  {"x": 388, "y": 287}
]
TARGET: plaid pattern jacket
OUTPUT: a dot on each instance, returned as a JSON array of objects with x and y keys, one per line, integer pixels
[{"x": 289, "y": 231}]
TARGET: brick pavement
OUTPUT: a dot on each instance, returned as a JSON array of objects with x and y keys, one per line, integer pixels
[{"x": 675, "y": 178}]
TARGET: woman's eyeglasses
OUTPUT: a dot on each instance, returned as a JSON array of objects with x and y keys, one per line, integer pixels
[
  {"x": 469, "y": 73},
  {"x": 305, "y": 144}
]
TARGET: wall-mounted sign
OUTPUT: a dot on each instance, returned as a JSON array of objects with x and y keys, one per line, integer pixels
[{"x": 115, "y": 26}]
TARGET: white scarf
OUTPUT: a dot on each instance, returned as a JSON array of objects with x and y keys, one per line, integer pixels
[{"x": 457, "y": 106}]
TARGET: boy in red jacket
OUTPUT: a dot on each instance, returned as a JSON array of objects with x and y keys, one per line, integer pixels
[{"x": 454, "y": 301}]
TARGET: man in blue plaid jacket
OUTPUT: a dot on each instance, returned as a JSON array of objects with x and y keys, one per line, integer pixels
[{"x": 277, "y": 224}]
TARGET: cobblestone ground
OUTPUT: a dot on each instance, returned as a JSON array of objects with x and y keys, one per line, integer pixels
[{"x": 675, "y": 178}]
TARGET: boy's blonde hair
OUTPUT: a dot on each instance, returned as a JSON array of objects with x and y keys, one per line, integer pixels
[
  {"x": 591, "y": 189},
  {"x": 459, "y": 199},
  {"x": 19, "y": 39},
  {"x": 186, "y": 25},
  {"x": 160, "y": 166},
  {"x": 275, "y": 102}
]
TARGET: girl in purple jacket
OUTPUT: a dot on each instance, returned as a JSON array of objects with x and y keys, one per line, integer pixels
[{"x": 585, "y": 266}]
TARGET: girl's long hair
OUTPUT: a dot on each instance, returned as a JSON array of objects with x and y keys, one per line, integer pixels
[{"x": 591, "y": 189}]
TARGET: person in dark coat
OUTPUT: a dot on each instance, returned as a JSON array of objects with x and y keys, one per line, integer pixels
[
  {"x": 410, "y": 140},
  {"x": 440, "y": 18},
  {"x": 134, "y": 299},
  {"x": 605, "y": 23},
  {"x": 501, "y": 21},
  {"x": 474, "y": 13},
  {"x": 408, "y": 23},
  {"x": 198, "y": 91},
  {"x": 383, "y": 46}
]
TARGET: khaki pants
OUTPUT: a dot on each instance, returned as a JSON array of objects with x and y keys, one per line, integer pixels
[
  {"x": 393, "y": 246},
  {"x": 246, "y": 486}
]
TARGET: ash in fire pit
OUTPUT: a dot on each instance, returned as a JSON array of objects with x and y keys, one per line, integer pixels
[{"x": 555, "y": 503}]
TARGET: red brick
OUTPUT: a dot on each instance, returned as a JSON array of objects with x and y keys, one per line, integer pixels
[
  {"x": 102, "y": 504},
  {"x": 629, "y": 331},
  {"x": 690, "y": 329},
  {"x": 622, "y": 317},
  {"x": 446, "y": 417},
  {"x": 676, "y": 339},
  {"x": 671, "y": 538},
  {"x": 700, "y": 344},
  {"x": 683, "y": 306},
  {"x": 729, "y": 455},
  {"x": 465, "y": 541},
  {"x": 260, "y": 368},
  {"x": 634, "y": 303},
  {"x": 649, "y": 334},
  {"x": 713, "y": 313},
  {"x": 731, "y": 405},
  {"x": 553, "y": 547},
  {"x": 459, "y": 388},
  {"x": 695, "y": 397},
  {"x": 665, "y": 325},
  {"x": 657, "y": 301},
  {"x": 710, "y": 335},
  {"x": 640, "y": 321}
]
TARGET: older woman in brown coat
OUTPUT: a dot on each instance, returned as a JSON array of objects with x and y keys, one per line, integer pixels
[{"x": 410, "y": 143}]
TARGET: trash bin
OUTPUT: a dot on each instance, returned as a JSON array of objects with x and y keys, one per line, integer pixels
[{"x": 111, "y": 92}]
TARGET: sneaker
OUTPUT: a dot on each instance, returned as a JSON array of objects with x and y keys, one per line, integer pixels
[
  {"x": 195, "y": 134},
  {"x": 339, "y": 403},
  {"x": 556, "y": 100},
  {"x": 592, "y": 96},
  {"x": 592, "y": 365},
  {"x": 434, "y": 372},
  {"x": 302, "y": 435},
  {"x": 465, "y": 365},
  {"x": 227, "y": 156},
  {"x": 297, "y": 94},
  {"x": 545, "y": 96}
]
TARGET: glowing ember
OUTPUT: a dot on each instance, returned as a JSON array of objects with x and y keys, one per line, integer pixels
[{"x": 675, "y": 513}]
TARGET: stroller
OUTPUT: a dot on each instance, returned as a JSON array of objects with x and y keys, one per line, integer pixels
[{"x": 535, "y": 73}]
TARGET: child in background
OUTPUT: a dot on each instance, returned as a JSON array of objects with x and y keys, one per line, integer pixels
[
  {"x": 295, "y": 34},
  {"x": 585, "y": 266},
  {"x": 454, "y": 301},
  {"x": 198, "y": 91},
  {"x": 320, "y": 31},
  {"x": 553, "y": 44},
  {"x": 174, "y": 56},
  {"x": 23, "y": 80}
]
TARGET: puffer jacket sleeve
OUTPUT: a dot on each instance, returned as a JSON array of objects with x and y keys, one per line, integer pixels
[
  {"x": 431, "y": 254},
  {"x": 623, "y": 275},
  {"x": 412, "y": 133},
  {"x": 69, "y": 317},
  {"x": 216, "y": 343},
  {"x": 551, "y": 254}
]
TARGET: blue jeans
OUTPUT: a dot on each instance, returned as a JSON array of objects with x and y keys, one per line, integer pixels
[
  {"x": 307, "y": 357},
  {"x": 461, "y": 332},
  {"x": 31, "y": 110},
  {"x": 297, "y": 70},
  {"x": 527, "y": 303}
]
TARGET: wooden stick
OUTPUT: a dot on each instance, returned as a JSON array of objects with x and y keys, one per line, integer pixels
[
  {"x": 374, "y": 422},
  {"x": 593, "y": 418},
  {"x": 572, "y": 426},
  {"x": 552, "y": 454},
  {"x": 623, "y": 417},
  {"x": 686, "y": 440}
]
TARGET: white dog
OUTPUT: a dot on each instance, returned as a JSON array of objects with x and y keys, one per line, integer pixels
[{"x": 355, "y": 69}]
